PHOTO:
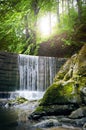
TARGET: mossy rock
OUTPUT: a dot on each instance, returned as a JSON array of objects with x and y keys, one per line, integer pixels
[
  {"x": 63, "y": 70},
  {"x": 18, "y": 100},
  {"x": 66, "y": 71},
  {"x": 68, "y": 82},
  {"x": 65, "y": 92},
  {"x": 52, "y": 110},
  {"x": 60, "y": 94},
  {"x": 21, "y": 100},
  {"x": 69, "y": 86},
  {"x": 80, "y": 64}
]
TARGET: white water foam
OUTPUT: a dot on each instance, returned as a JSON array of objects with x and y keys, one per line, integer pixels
[{"x": 30, "y": 95}]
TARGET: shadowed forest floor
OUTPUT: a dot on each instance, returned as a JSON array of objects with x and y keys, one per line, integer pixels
[{"x": 56, "y": 46}]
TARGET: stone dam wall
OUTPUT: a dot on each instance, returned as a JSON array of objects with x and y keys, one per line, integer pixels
[{"x": 10, "y": 73}]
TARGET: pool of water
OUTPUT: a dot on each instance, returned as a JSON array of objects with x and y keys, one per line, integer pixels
[
  {"x": 13, "y": 119},
  {"x": 16, "y": 118}
]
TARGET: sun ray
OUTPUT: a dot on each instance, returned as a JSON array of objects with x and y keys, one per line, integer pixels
[{"x": 44, "y": 24}]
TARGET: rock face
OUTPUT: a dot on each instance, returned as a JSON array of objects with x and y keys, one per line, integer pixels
[
  {"x": 9, "y": 72},
  {"x": 68, "y": 91},
  {"x": 69, "y": 86}
]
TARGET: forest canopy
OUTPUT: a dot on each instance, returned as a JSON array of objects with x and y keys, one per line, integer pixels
[{"x": 20, "y": 22}]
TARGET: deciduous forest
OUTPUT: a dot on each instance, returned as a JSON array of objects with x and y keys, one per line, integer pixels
[
  {"x": 25, "y": 24},
  {"x": 42, "y": 64}
]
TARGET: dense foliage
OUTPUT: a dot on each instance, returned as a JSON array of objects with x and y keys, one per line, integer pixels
[{"x": 18, "y": 21}]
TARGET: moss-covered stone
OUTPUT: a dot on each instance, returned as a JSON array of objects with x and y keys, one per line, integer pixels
[
  {"x": 64, "y": 69},
  {"x": 68, "y": 82},
  {"x": 52, "y": 110},
  {"x": 69, "y": 86},
  {"x": 18, "y": 100},
  {"x": 60, "y": 93}
]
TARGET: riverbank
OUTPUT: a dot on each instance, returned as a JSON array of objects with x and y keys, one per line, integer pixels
[
  {"x": 16, "y": 117},
  {"x": 66, "y": 97}
]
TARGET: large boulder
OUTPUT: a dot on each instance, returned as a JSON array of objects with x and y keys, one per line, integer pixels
[
  {"x": 68, "y": 88},
  {"x": 69, "y": 82}
]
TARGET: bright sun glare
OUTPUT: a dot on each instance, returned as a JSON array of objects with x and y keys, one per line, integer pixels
[{"x": 44, "y": 24}]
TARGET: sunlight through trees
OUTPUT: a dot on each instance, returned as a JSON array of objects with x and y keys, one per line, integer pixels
[{"x": 23, "y": 23}]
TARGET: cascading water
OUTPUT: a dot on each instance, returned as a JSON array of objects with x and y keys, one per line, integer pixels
[
  {"x": 27, "y": 74},
  {"x": 36, "y": 74}
]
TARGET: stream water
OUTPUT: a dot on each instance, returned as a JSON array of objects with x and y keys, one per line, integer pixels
[
  {"x": 16, "y": 118},
  {"x": 9, "y": 120},
  {"x": 36, "y": 74}
]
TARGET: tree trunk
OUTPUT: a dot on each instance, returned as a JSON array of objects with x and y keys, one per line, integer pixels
[
  {"x": 62, "y": 6},
  {"x": 79, "y": 4},
  {"x": 26, "y": 28},
  {"x": 50, "y": 24},
  {"x": 36, "y": 11},
  {"x": 65, "y": 4},
  {"x": 58, "y": 15},
  {"x": 68, "y": 7},
  {"x": 72, "y": 3}
]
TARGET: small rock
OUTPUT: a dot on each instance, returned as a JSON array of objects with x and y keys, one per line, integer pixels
[
  {"x": 81, "y": 112},
  {"x": 84, "y": 127},
  {"x": 36, "y": 116},
  {"x": 47, "y": 123},
  {"x": 73, "y": 122}
]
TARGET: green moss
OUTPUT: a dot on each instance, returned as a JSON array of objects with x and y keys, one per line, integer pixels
[
  {"x": 52, "y": 94},
  {"x": 68, "y": 75},
  {"x": 21, "y": 99},
  {"x": 68, "y": 82},
  {"x": 58, "y": 94},
  {"x": 59, "y": 76},
  {"x": 68, "y": 88},
  {"x": 42, "y": 110},
  {"x": 39, "y": 109},
  {"x": 82, "y": 83},
  {"x": 18, "y": 100},
  {"x": 64, "y": 69}
]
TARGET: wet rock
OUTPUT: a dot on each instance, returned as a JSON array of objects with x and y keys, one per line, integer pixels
[
  {"x": 68, "y": 82},
  {"x": 3, "y": 103},
  {"x": 84, "y": 127},
  {"x": 16, "y": 101},
  {"x": 79, "y": 113},
  {"x": 68, "y": 89},
  {"x": 47, "y": 123},
  {"x": 72, "y": 122},
  {"x": 52, "y": 110},
  {"x": 81, "y": 122},
  {"x": 36, "y": 115},
  {"x": 69, "y": 122}
]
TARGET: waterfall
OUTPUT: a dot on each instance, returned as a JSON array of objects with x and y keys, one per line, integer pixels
[
  {"x": 36, "y": 72},
  {"x": 26, "y": 75}
]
